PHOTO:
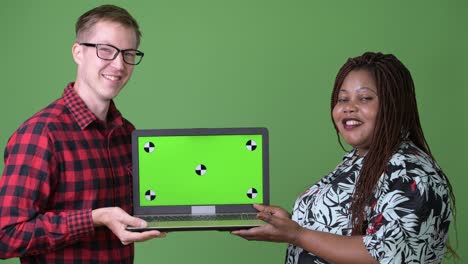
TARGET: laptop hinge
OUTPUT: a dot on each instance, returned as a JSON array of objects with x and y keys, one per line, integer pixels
[{"x": 204, "y": 210}]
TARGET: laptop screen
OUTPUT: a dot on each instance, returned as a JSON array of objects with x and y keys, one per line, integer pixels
[{"x": 186, "y": 167}]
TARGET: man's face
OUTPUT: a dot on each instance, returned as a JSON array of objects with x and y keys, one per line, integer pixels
[{"x": 101, "y": 80}]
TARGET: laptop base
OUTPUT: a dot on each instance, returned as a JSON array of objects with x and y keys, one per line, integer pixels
[{"x": 222, "y": 225}]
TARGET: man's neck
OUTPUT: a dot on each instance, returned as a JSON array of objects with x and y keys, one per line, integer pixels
[
  {"x": 98, "y": 107},
  {"x": 100, "y": 111}
]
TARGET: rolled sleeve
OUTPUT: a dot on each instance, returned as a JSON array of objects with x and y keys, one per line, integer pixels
[{"x": 80, "y": 224}]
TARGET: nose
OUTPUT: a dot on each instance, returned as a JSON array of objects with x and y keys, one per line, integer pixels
[
  {"x": 118, "y": 62},
  {"x": 350, "y": 107}
]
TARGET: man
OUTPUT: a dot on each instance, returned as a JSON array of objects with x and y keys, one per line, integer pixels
[{"x": 65, "y": 192}]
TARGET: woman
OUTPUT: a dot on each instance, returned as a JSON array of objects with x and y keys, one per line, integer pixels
[{"x": 388, "y": 201}]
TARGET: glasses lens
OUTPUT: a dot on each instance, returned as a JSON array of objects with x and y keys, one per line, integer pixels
[
  {"x": 132, "y": 56},
  {"x": 106, "y": 52}
]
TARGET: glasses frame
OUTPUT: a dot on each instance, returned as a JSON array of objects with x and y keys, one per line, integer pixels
[{"x": 123, "y": 51}]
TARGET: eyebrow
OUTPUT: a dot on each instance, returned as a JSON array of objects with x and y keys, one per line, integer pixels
[{"x": 359, "y": 89}]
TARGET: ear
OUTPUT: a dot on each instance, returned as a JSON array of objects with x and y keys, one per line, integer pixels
[{"x": 77, "y": 52}]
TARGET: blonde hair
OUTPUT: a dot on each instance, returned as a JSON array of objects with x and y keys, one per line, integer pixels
[{"x": 105, "y": 13}]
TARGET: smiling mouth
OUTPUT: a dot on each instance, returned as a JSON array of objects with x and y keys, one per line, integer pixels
[
  {"x": 351, "y": 123},
  {"x": 111, "y": 77}
]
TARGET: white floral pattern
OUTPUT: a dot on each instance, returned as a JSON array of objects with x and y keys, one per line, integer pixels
[{"x": 409, "y": 218}]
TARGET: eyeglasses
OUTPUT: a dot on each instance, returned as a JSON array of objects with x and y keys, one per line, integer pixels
[{"x": 110, "y": 52}]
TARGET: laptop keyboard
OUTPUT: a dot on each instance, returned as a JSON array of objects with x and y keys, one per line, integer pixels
[{"x": 201, "y": 217}]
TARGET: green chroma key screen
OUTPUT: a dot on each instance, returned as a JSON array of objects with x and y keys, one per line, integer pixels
[{"x": 200, "y": 170}]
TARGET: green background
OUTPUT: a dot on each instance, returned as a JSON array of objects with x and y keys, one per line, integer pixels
[
  {"x": 231, "y": 170},
  {"x": 213, "y": 63}
]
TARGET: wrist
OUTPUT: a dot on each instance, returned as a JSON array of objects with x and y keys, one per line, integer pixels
[
  {"x": 98, "y": 216},
  {"x": 297, "y": 235}
]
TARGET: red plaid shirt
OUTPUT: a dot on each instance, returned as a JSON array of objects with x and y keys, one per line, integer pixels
[{"x": 59, "y": 165}]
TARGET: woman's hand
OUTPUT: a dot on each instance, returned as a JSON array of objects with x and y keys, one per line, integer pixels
[{"x": 278, "y": 228}]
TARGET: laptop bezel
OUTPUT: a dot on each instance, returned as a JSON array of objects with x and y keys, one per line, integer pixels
[{"x": 182, "y": 209}]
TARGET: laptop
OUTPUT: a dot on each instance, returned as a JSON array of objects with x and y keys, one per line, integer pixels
[{"x": 200, "y": 178}]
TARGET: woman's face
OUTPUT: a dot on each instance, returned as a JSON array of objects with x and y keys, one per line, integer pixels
[{"x": 356, "y": 110}]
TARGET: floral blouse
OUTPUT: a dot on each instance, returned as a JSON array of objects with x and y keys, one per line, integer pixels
[{"x": 409, "y": 218}]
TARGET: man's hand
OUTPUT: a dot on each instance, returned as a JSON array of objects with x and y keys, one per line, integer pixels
[{"x": 117, "y": 220}]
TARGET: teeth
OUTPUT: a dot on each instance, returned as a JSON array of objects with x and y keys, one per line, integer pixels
[
  {"x": 353, "y": 123},
  {"x": 111, "y": 77}
]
